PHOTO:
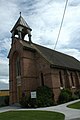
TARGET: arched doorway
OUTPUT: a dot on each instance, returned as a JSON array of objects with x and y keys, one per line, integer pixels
[
  {"x": 17, "y": 91},
  {"x": 18, "y": 77}
]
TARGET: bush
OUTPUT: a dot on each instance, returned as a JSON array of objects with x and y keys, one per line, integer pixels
[
  {"x": 77, "y": 93},
  {"x": 32, "y": 102},
  {"x": 24, "y": 101},
  {"x": 65, "y": 96},
  {"x": 4, "y": 101},
  {"x": 74, "y": 97},
  {"x": 44, "y": 96}
]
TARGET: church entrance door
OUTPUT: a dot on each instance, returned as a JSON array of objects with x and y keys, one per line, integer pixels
[{"x": 18, "y": 93}]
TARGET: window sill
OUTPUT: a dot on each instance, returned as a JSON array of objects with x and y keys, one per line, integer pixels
[
  {"x": 61, "y": 88},
  {"x": 73, "y": 87},
  {"x": 18, "y": 77}
]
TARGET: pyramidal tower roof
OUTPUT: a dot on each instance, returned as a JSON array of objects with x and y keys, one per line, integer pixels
[{"x": 21, "y": 22}]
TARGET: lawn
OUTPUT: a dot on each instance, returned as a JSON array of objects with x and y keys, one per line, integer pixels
[
  {"x": 31, "y": 115},
  {"x": 75, "y": 105}
]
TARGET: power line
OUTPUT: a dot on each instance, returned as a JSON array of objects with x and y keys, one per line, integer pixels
[{"x": 61, "y": 24}]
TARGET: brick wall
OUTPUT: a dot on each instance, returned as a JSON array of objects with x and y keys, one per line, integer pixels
[{"x": 32, "y": 65}]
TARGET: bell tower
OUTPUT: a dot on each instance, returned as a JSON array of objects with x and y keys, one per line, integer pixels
[{"x": 20, "y": 29}]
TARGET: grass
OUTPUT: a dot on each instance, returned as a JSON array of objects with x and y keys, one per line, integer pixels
[
  {"x": 75, "y": 105},
  {"x": 31, "y": 115}
]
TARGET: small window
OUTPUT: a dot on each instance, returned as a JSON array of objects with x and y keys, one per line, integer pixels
[
  {"x": 79, "y": 74},
  {"x": 76, "y": 79},
  {"x": 18, "y": 67},
  {"x": 61, "y": 81},
  {"x": 72, "y": 79},
  {"x": 16, "y": 36},
  {"x": 42, "y": 79},
  {"x": 66, "y": 79}
]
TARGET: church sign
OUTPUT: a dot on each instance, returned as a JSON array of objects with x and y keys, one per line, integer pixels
[{"x": 33, "y": 94}]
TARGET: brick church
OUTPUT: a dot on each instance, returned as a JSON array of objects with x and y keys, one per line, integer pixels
[{"x": 32, "y": 65}]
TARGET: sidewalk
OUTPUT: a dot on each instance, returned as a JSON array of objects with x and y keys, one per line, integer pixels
[
  {"x": 8, "y": 108},
  {"x": 70, "y": 114}
]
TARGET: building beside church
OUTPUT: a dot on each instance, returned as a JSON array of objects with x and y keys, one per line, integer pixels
[
  {"x": 4, "y": 92},
  {"x": 32, "y": 65}
]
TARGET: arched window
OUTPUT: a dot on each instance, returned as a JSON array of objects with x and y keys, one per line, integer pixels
[
  {"x": 18, "y": 67},
  {"x": 61, "y": 81},
  {"x": 72, "y": 79},
  {"x": 42, "y": 79},
  {"x": 77, "y": 79},
  {"x": 66, "y": 78}
]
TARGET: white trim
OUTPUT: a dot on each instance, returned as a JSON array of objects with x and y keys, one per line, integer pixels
[
  {"x": 61, "y": 88},
  {"x": 73, "y": 87}
]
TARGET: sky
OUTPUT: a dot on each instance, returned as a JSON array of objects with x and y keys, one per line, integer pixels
[{"x": 44, "y": 17}]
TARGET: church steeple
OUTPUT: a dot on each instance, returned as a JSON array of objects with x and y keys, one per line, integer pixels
[{"x": 21, "y": 28}]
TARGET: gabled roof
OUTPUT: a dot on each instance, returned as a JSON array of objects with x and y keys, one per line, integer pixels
[
  {"x": 55, "y": 58},
  {"x": 21, "y": 22}
]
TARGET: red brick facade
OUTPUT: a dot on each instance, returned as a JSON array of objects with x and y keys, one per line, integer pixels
[
  {"x": 29, "y": 69},
  {"x": 32, "y": 64}
]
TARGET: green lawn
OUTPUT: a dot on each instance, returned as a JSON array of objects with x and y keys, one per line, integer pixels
[
  {"x": 75, "y": 105},
  {"x": 31, "y": 115}
]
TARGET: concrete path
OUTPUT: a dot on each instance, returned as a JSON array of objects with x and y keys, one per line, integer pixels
[
  {"x": 8, "y": 108},
  {"x": 70, "y": 114}
]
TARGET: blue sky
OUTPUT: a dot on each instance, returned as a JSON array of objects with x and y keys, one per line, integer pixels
[{"x": 44, "y": 17}]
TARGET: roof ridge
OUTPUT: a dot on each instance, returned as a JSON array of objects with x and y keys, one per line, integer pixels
[
  {"x": 33, "y": 45},
  {"x": 50, "y": 49},
  {"x": 21, "y": 22},
  {"x": 57, "y": 59},
  {"x": 55, "y": 50}
]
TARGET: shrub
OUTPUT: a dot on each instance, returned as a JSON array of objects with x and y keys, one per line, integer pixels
[
  {"x": 44, "y": 96},
  {"x": 32, "y": 102},
  {"x": 65, "y": 96},
  {"x": 4, "y": 100},
  {"x": 77, "y": 93},
  {"x": 74, "y": 97},
  {"x": 24, "y": 101}
]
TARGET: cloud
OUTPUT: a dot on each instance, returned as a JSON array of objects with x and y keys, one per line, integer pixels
[
  {"x": 4, "y": 74},
  {"x": 8, "y": 11},
  {"x": 3, "y": 85},
  {"x": 4, "y": 69},
  {"x": 74, "y": 3},
  {"x": 75, "y": 38},
  {"x": 72, "y": 52},
  {"x": 44, "y": 17}
]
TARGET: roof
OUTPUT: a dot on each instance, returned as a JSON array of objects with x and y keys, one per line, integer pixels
[
  {"x": 21, "y": 22},
  {"x": 55, "y": 58}
]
